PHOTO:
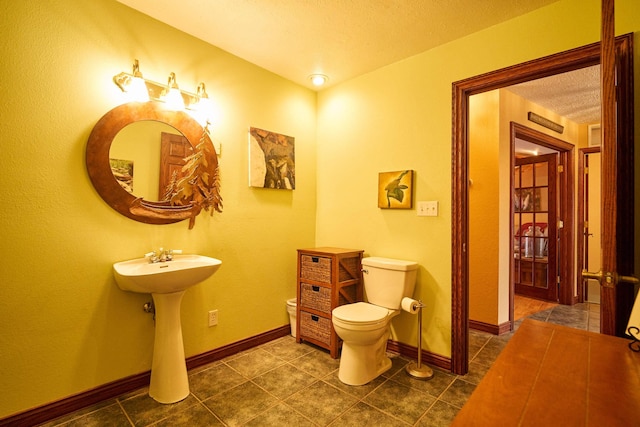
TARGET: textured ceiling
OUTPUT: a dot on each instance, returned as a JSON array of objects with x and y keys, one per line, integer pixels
[
  {"x": 574, "y": 95},
  {"x": 339, "y": 38},
  {"x": 347, "y": 38}
]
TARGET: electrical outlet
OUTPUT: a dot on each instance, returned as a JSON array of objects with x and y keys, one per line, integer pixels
[
  {"x": 213, "y": 317},
  {"x": 427, "y": 208}
]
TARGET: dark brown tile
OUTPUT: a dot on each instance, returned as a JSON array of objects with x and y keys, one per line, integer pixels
[
  {"x": 279, "y": 415},
  {"x": 476, "y": 373},
  {"x": 240, "y": 404},
  {"x": 111, "y": 415},
  {"x": 209, "y": 382},
  {"x": 403, "y": 402},
  {"x": 397, "y": 363},
  {"x": 490, "y": 351},
  {"x": 143, "y": 410},
  {"x": 286, "y": 348},
  {"x": 357, "y": 391},
  {"x": 196, "y": 415},
  {"x": 458, "y": 393},
  {"x": 321, "y": 402},
  {"x": 441, "y": 414},
  {"x": 316, "y": 363},
  {"x": 365, "y": 415},
  {"x": 255, "y": 363},
  {"x": 66, "y": 419},
  {"x": 477, "y": 340},
  {"x": 434, "y": 386},
  {"x": 284, "y": 381}
]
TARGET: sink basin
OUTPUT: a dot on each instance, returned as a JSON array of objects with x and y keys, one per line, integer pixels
[
  {"x": 139, "y": 275},
  {"x": 167, "y": 283}
]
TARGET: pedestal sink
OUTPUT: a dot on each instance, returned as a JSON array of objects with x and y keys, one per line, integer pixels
[{"x": 167, "y": 283}]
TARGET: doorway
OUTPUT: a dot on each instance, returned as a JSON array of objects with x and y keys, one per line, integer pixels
[
  {"x": 543, "y": 255},
  {"x": 462, "y": 90},
  {"x": 589, "y": 203}
]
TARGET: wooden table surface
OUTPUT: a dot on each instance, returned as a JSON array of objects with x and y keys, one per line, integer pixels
[{"x": 551, "y": 375}]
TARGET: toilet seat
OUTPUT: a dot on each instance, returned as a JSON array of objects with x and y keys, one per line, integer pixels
[{"x": 361, "y": 314}]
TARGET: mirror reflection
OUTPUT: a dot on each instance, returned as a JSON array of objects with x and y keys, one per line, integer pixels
[{"x": 144, "y": 155}]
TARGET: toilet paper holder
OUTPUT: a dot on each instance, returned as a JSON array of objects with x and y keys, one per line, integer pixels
[{"x": 418, "y": 370}]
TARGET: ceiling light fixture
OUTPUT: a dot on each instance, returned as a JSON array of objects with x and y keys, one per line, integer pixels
[{"x": 318, "y": 79}]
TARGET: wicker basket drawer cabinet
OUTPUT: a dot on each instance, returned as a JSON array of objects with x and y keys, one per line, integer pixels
[{"x": 327, "y": 278}]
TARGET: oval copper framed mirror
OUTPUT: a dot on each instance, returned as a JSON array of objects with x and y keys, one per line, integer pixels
[{"x": 110, "y": 189}]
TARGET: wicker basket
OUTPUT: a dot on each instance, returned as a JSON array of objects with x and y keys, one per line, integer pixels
[
  {"x": 316, "y": 297},
  {"x": 315, "y": 268},
  {"x": 315, "y": 327}
]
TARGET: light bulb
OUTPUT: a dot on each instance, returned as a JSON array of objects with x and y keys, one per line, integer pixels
[{"x": 318, "y": 79}]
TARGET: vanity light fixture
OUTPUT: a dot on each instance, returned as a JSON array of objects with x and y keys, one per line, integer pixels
[
  {"x": 139, "y": 89},
  {"x": 202, "y": 102},
  {"x": 318, "y": 79},
  {"x": 173, "y": 96},
  {"x": 202, "y": 108},
  {"x": 133, "y": 84}
]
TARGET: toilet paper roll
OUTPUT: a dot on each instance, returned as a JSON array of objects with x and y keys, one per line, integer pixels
[{"x": 410, "y": 305}]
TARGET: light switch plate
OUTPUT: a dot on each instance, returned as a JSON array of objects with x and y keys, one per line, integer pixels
[{"x": 428, "y": 208}]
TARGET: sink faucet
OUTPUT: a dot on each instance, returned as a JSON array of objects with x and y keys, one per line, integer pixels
[{"x": 162, "y": 255}]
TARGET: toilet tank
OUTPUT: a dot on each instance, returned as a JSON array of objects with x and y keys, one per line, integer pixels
[{"x": 387, "y": 280}]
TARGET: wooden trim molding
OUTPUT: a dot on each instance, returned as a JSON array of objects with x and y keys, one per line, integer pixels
[
  {"x": 489, "y": 328},
  {"x": 119, "y": 387},
  {"x": 412, "y": 353}
]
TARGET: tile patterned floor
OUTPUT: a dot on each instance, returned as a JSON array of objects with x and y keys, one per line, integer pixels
[{"x": 283, "y": 383}]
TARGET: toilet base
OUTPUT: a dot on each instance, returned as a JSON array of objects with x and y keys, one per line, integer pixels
[{"x": 360, "y": 364}]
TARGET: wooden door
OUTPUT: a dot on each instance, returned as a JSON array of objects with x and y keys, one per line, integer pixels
[
  {"x": 617, "y": 291},
  {"x": 535, "y": 227},
  {"x": 173, "y": 149}
]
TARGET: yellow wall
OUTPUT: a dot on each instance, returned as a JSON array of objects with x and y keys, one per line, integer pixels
[
  {"x": 484, "y": 202},
  {"x": 399, "y": 117},
  {"x": 67, "y": 328},
  {"x": 490, "y": 118}
]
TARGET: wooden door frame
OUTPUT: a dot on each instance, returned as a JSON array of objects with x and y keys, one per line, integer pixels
[
  {"x": 582, "y": 208},
  {"x": 566, "y": 197},
  {"x": 554, "y": 64}
]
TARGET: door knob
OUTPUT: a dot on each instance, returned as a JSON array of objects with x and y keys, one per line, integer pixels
[
  {"x": 610, "y": 278},
  {"x": 595, "y": 276},
  {"x": 629, "y": 279}
]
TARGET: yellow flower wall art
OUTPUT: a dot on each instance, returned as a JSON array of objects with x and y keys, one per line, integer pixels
[{"x": 395, "y": 190}]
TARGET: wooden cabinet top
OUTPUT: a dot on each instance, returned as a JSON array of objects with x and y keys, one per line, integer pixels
[{"x": 330, "y": 250}]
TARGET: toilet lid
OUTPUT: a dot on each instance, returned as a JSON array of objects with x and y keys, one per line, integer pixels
[{"x": 360, "y": 312}]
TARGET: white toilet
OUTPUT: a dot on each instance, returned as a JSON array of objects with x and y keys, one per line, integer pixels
[{"x": 364, "y": 326}]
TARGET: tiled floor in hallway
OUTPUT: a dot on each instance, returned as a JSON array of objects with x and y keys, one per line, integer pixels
[{"x": 283, "y": 383}]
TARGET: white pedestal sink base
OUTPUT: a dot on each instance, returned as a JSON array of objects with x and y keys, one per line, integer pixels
[{"x": 169, "y": 381}]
